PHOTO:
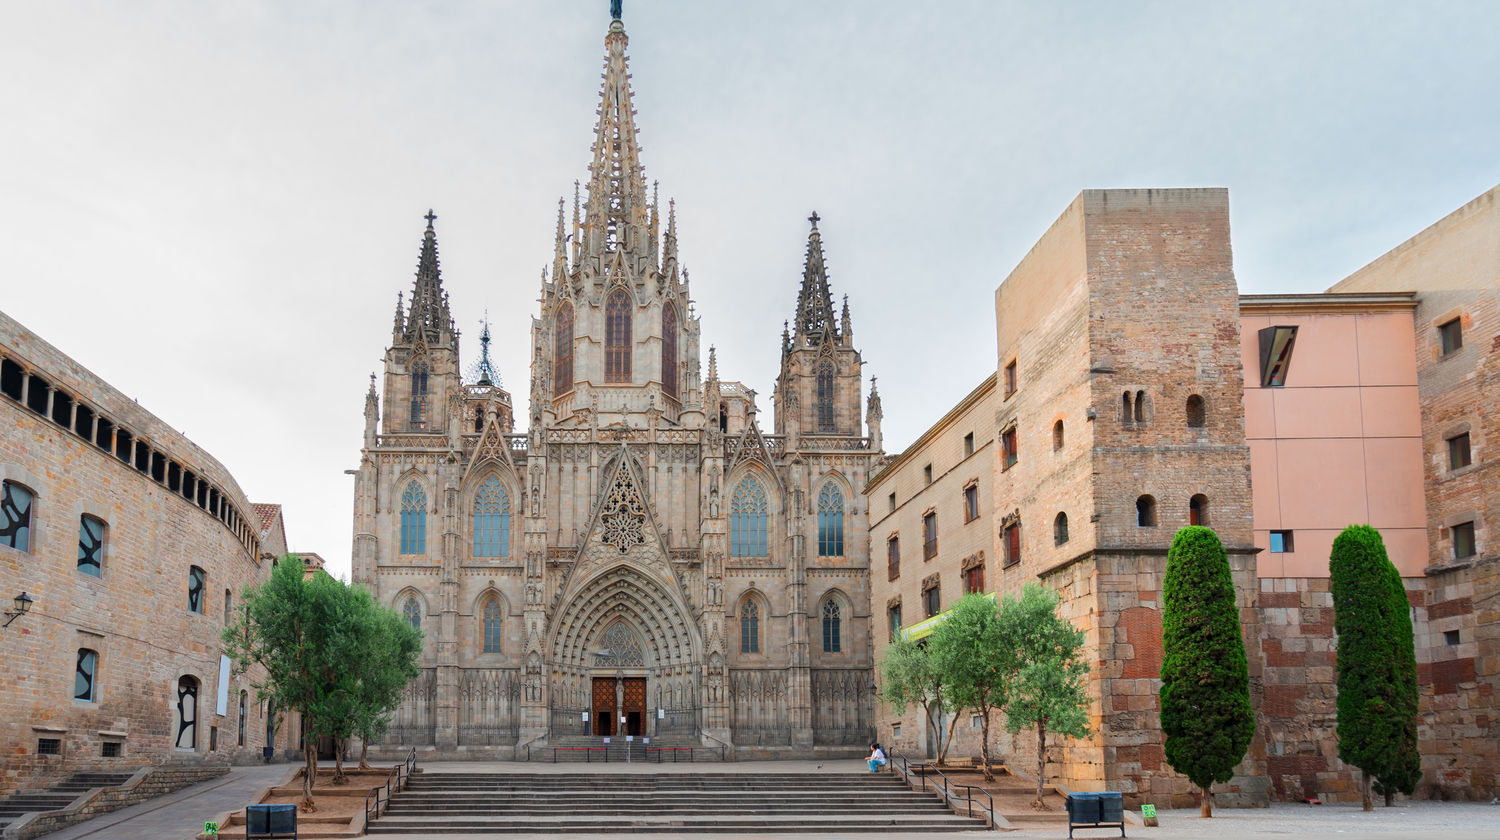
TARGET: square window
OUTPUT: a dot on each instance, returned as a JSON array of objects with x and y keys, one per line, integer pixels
[
  {"x": 1451, "y": 336},
  {"x": 1276, "y": 354},
  {"x": 110, "y": 749},
  {"x": 1463, "y": 540},
  {"x": 1008, "y": 447},
  {"x": 976, "y": 721},
  {"x": 1450, "y": 638},
  {"x": 49, "y": 746},
  {"x": 971, "y": 503},
  {"x": 895, "y": 731},
  {"x": 1459, "y": 455},
  {"x": 968, "y": 444},
  {"x": 1281, "y": 542},
  {"x": 1010, "y": 378}
]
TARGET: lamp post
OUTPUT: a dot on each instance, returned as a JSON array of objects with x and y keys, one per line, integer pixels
[{"x": 23, "y": 606}]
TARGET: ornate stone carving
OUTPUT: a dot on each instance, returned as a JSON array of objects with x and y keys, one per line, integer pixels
[{"x": 622, "y": 517}]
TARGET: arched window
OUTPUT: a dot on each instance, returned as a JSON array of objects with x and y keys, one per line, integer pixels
[
  {"x": 1060, "y": 529},
  {"x": 1125, "y": 412},
  {"x": 1198, "y": 510},
  {"x": 750, "y": 626},
  {"x": 825, "y": 396},
  {"x": 1057, "y": 436},
  {"x": 414, "y": 520},
  {"x": 1197, "y": 412},
  {"x": 1140, "y": 406},
  {"x": 830, "y": 521},
  {"x": 491, "y": 519},
  {"x": 187, "y": 713},
  {"x": 492, "y": 625},
  {"x": 747, "y": 520},
  {"x": 419, "y": 395},
  {"x": 412, "y": 612},
  {"x": 1145, "y": 511},
  {"x": 832, "y": 630},
  {"x": 562, "y": 351},
  {"x": 617, "y": 337},
  {"x": 228, "y": 607},
  {"x": 15, "y": 517},
  {"x": 83, "y": 676},
  {"x": 669, "y": 350}
]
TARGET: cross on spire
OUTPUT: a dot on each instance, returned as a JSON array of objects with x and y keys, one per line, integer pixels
[
  {"x": 430, "y": 217},
  {"x": 814, "y": 218}
]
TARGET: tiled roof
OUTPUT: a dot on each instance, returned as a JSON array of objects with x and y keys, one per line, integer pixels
[{"x": 267, "y": 514}]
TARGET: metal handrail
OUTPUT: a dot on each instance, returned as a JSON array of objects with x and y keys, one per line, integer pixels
[
  {"x": 395, "y": 782},
  {"x": 948, "y": 793}
]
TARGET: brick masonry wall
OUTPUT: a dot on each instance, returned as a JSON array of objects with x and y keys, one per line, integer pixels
[{"x": 159, "y": 781}]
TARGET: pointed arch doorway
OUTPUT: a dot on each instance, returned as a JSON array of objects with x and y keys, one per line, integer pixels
[{"x": 619, "y": 700}]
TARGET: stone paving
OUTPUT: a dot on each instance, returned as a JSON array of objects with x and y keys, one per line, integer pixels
[{"x": 180, "y": 815}]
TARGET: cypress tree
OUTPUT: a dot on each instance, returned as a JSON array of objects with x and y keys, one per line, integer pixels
[
  {"x": 1205, "y": 675},
  {"x": 1377, "y": 665}
]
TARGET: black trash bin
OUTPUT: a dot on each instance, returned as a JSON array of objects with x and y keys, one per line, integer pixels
[
  {"x": 1111, "y": 807},
  {"x": 270, "y": 821},
  {"x": 1083, "y": 808}
]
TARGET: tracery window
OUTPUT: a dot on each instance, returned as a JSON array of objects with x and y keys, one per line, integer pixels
[
  {"x": 750, "y": 627},
  {"x": 187, "y": 713},
  {"x": 825, "y": 396},
  {"x": 491, "y": 519},
  {"x": 617, "y": 337},
  {"x": 562, "y": 351},
  {"x": 414, "y": 520},
  {"x": 196, "y": 580},
  {"x": 90, "y": 545},
  {"x": 830, "y": 521},
  {"x": 747, "y": 520},
  {"x": 832, "y": 630},
  {"x": 412, "y": 612},
  {"x": 84, "y": 673},
  {"x": 492, "y": 626},
  {"x": 669, "y": 350},
  {"x": 15, "y": 517},
  {"x": 419, "y": 395}
]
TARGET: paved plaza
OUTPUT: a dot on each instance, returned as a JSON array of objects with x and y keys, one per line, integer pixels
[{"x": 180, "y": 815}]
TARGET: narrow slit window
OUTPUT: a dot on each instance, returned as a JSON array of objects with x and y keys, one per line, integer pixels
[
  {"x": 84, "y": 676},
  {"x": 15, "y": 516},
  {"x": 90, "y": 545}
]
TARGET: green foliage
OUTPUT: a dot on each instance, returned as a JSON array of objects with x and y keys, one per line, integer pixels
[
  {"x": 1205, "y": 693},
  {"x": 909, "y": 677},
  {"x": 1377, "y": 666},
  {"x": 1045, "y": 665},
  {"x": 968, "y": 654}
]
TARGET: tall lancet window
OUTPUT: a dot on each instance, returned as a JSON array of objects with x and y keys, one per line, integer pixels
[
  {"x": 825, "y": 396},
  {"x": 414, "y": 520},
  {"x": 491, "y": 520},
  {"x": 669, "y": 350},
  {"x": 830, "y": 521},
  {"x": 419, "y": 395},
  {"x": 747, "y": 520},
  {"x": 562, "y": 351},
  {"x": 617, "y": 337}
]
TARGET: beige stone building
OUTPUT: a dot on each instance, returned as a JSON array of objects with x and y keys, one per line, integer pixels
[
  {"x": 649, "y": 559},
  {"x": 1137, "y": 392},
  {"x": 133, "y": 545}
]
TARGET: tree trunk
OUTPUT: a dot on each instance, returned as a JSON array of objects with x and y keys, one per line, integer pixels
[
  {"x": 948, "y": 740},
  {"x": 1390, "y": 798},
  {"x": 1367, "y": 796},
  {"x": 309, "y": 773},
  {"x": 1208, "y": 800},
  {"x": 1041, "y": 762},
  {"x": 984, "y": 747},
  {"x": 338, "y": 762},
  {"x": 364, "y": 753}
]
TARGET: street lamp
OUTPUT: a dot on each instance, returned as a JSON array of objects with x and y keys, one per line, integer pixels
[{"x": 23, "y": 606}]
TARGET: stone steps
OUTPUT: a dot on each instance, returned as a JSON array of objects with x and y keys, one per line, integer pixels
[{"x": 539, "y": 803}]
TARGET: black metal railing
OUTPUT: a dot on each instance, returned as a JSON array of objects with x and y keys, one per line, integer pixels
[
  {"x": 623, "y": 753},
  {"x": 379, "y": 797},
  {"x": 951, "y": 792}
]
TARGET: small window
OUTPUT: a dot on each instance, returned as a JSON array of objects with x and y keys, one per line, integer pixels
[
  {"x": 49, "y": 746},
  {"x": 1198, "y": 510},
  {"x": 1451, "y": 336},
  {"x": 110, "y": 749},
  {"x": 84, "y": 674},
  {"x": 893, "y": 620},
  {"x": 1450, "y": 638},
  {"x": 1197, "y": 412},
  {"x": 197, "y": 579},
  {"x": 927, "y": 474},
  {"x": 893, "y": 557},
  {"x": 968, "y": 444},
  {"x": 1125, "y": 413},
  {"x": 971, "y": 503},
  {"x": 974, "y": 579},
  {"x": 1140, "y": 406},
  {"x": 412, "y": 612},
  {"x": 895, "y": 731},
  {"x": 1060, "y": 529},
  {"x": 90, "y": 545},
  {"x": 1281, "y": 542},
  {"x": 1276, "y": 354},
  {"x": 1459, "y": 455},
  {"x": 1145, "y": 512},
  {"x": 1012, "y": 534},
  {"x": 15, "y": 517},
  {"x": 931, "y": 600},
  {"x": 976, "y": 722},
  {"x": 1010, "y": 378},
  {"x": 832, "y": 627},
  {"x": 1463, "y": 540},
  {"x": 750, "y": 627},
  {"x": 1057, "y": 436},
  {"x": 228, "y": 607},
  {"x": 929, "y": 536},
  {"x": 893, "y": 503},
  {"x": 1008, "y": 447}
]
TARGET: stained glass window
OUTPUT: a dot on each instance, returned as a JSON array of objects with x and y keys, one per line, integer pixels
[
  {"x": 412, "y": 612},
  {"x": 83, "y": 680},
  {"x": 830, "y": 522},
  {"x": 414, "y": 520},
  {"x": 196, "y": 580},
  {"x": 491, "y": 520},
  {"x": 492, "y": 626},
  {"x": 747, "y": 520},
  {"x": 562, "y": 351},
  {"x": 750, "y": 627},
  {"x": 832, "y": 632},
  {"x": 617, "y": 337}
]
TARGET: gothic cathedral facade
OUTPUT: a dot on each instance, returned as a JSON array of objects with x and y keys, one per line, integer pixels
[{"x": 646, "y": 558}]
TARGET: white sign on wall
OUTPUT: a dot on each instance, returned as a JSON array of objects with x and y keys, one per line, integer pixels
[{"x": 223, "y": 707}]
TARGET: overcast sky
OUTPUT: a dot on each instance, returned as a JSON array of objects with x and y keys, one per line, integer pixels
[{"x": 212, "y": 205}]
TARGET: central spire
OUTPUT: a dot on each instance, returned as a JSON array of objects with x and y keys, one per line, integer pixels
[
  {"x": 815, "y": 322},
  {"x": 616, "y": 217}
]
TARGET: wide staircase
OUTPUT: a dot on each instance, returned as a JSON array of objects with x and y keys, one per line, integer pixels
[
  {"x": 536, "y": 803},
  {"x": 57, "y": 797}
]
